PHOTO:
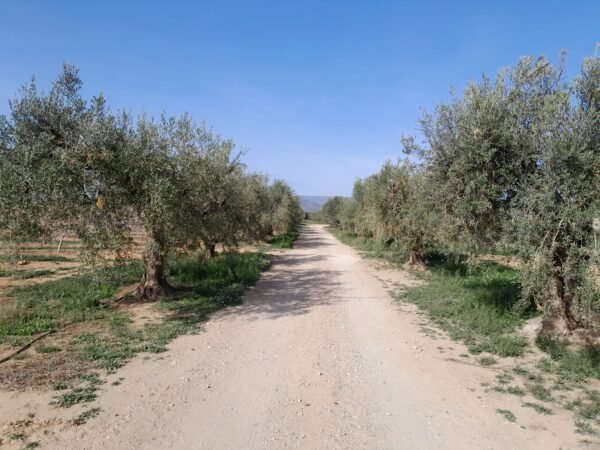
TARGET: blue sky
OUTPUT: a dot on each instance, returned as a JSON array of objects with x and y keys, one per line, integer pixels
[{"x": 316, "y": 92}]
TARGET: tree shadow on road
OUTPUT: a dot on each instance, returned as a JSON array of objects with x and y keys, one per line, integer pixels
[{"x": 287, "y": 290}]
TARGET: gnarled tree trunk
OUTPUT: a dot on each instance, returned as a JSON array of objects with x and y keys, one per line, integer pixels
[
  {"x": 565, "y": 288},
  {"x": 209, "y": 250},
  {"x": 153, "y": 284},
  {"x": 416, "y": 260}
]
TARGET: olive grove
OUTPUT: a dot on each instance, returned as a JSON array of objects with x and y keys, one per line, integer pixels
[
  {"x": 512, "y": 162},
  {"x": 70, "y": 164}
]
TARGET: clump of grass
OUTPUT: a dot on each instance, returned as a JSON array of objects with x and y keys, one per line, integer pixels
[
  {"x": 514, "y": 390},
  {"x": 487, "y": 361},
  {"x": 575, "y": 365},
  {"x": 508, "y": 415},
  {"x": 32, "y": 445},
  {"x": 285, "y": 240},
  {"x": 86, "y": 415},
  {"x": 75, "y": 396},
  {"x": 538, "y": 408},
  {"x": 504, "y": 378},
  {"x": 587, "y": 406},
  {"x": 80, "y": 394},
  {"x": 540, "y": 392},
  {"x": 17, "y": 436},
  {"x": 583, "y": 427},
  {"x": 41, "y": 348}
]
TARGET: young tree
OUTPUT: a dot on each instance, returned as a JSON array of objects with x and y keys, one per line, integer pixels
[
  {"x": 286, "y": 211},
  {"x": 331, "y": 211}
]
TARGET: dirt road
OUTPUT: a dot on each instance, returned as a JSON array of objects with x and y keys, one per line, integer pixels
[{"x": 318, "y": 356}]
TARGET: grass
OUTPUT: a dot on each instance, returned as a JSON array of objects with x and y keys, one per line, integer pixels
[
  {"x": 285, "y": 240},
  {"x": 487, "y": 361},
  {"x": 84, "y": 393},
  {"x": 20, "y": 257},
  {"x": 538, "y": 408},
  {"x": 54, "y": 304},
  {"x": 540, "y": 392},
  {"x": 569, "y": 364},
  {"x": 508, "y": 415},
  {"x": 25, "y": 274},
  {"x": 476, "y": 304},
  {"x": 86, "y": 415}
]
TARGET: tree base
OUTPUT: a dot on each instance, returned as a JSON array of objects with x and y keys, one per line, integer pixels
[{"x": 153, "y": 291}]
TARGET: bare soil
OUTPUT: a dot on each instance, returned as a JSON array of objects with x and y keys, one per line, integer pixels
[{"x": 317, "y": 356}]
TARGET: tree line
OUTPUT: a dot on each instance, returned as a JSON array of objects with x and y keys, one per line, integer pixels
[
  {"x": 512, "y": 164},
  {"x": 70, "y": 164}
]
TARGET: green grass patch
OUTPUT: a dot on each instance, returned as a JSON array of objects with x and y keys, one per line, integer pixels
[
  {"x": 570, "y": 364},
  {"x": 86, "y": 415},
  {"x": 478, "y": 305},
  {"x": 538, "y": 408},
  {"x": 285, "y": 240},
  {"x": 25, "y": 274},
  {"x": 508, "y": 415},
  {"x": 10, "y": 258},
  {"x": 540, "y": 392},
  {"x": 48, "y": 306}
]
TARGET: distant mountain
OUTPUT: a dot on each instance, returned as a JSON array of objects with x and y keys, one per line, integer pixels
[{"x": 312, "y": 203}]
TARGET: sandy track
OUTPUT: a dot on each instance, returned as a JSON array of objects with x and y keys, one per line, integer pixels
[{"x": 318, "y": 356}]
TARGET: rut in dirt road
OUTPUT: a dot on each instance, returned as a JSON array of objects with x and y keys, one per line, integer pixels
[{"x": 317, "y": 356}]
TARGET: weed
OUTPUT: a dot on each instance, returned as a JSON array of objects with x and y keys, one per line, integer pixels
[
  {"x": 504, "y": 378},
  {"x": 17, "y": 437},
  {"x": 86, "y": 415},
  {"x": 285, "y": 240},
  {"x": 487, "y": 361},
  {"x": 46, "y": 348},
  {"x": 540, "y": 392},
  {"x": 583, "y": 427},
  {"x": 514, "y": 390},
  {"x": 75, "y": 396},
  {"x": 571, "y": 365},
  {"x": 538, "y": 408},
  {"x": 33, "y": 444},
  {"x": 508, "y": 415}
]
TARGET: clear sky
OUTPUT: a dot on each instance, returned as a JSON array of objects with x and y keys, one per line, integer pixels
[{"x": 316, "y": 92}]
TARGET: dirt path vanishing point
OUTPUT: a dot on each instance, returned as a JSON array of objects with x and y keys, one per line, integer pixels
[{"x": 318, "y": 356}]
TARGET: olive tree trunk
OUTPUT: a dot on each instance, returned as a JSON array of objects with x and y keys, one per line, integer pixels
[
  {"x": 565, "y": 289},
  {"x": 416, "y": 260},
  {"x": 153, "y": 284},
  {"x": 209, "y": 250}
]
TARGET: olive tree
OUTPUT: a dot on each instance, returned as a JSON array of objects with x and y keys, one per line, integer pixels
[
  {"x": 58, "y": 153},
  {"x": 285, "y": 209},
  {"x": 553, "y": 214}
]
